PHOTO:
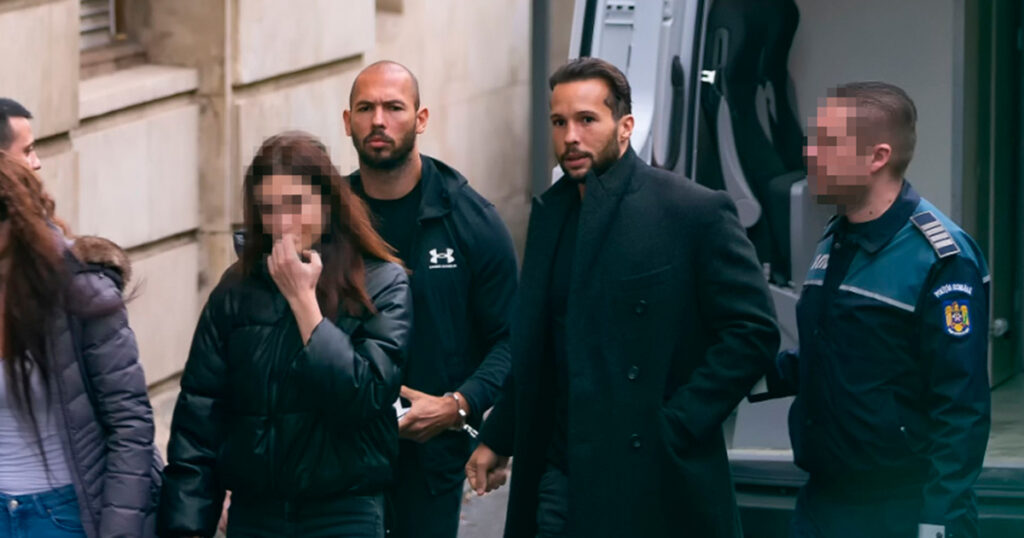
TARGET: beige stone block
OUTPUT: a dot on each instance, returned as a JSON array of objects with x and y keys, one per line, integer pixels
[
  {"x": 274, "y": 37},
  {"x": 139, "y": 179},
  {"x": 40, "y": 63},
  {"x": 129, "y": 87},
  {"x": 60, "y": 177},
  {"x": 473, "y": 136},
  {"x": 163, "y": 399},
  {"x": 163, "y": 314},
  {"x": 314, "y": 106}
]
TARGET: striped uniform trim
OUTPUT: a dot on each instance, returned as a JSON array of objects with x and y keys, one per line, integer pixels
[
  {"x": 881, "y": 298},
  {"x": 936, "y": 234},
  {"x": 814, "y": 282}
]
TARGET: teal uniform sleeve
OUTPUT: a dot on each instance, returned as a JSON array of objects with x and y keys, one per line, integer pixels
[{"x": 953, "y": 326}]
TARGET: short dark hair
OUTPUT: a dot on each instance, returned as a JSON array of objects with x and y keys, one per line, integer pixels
[
  {"x": 888, "y": 115},
  {"x": 619, "y": 99},
  {"x": 389, "y": 63},
  {"x": 9, "y": 108}
]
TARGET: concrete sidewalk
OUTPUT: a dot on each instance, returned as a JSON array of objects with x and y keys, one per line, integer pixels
[{"x": 483, "y": 517}]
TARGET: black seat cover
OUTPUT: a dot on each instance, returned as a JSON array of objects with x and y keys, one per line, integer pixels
[{"x": 748, "y": 43}]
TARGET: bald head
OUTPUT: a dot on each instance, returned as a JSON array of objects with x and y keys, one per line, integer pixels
[
  {"x": 385, "y": 116},
  {"x": 389, "y": 73}
]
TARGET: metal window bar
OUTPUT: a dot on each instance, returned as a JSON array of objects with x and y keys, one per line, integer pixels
[{"x": 97, "y": 23}]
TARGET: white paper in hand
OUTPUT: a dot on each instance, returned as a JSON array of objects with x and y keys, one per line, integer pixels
[{"x": 399, "y": 410}]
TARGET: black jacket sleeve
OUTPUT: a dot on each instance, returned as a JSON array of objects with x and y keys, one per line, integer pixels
[
  {"x": 953, "y": 318},
  {"x": 192, "y": 494},
  {"x": 357, "y": 375},
  {"x": 110, "y": 358},
  {"x": 492, "y": 293},
  {"x": 498, "y": 433},
  {"x": 733, "y": 300}
]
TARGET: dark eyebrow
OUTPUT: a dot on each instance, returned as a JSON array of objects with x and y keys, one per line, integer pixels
[{"x": 388, "y": 102}]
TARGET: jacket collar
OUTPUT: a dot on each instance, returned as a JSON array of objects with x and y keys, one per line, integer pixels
[
  {"x": 871, "y": 236},
  {"x": 437, "y": 181},
  {"x": 599, "y": 208}
]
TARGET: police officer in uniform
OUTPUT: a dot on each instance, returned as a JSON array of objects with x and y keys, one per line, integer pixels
[{"x": 892, "y": 412}]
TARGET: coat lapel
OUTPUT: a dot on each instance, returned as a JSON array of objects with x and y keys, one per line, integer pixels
[
  {"x": 600, "y": 205},
  {"x": 547, "y": 217}
]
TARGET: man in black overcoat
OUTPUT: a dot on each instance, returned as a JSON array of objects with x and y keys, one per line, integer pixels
[{"x": 644, "y": 318}]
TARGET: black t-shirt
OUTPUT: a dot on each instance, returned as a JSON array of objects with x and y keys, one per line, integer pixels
[
  {"x": 558, "y": 303},
  {"x": 396, "y": 220}
]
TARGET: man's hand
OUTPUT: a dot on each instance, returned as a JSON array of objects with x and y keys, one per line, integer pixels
[
  {"x": 296, "y": 280},
  {"x": 428, "y": 415},
  {"x": 486, "y": 470},
  {"x": 222, "y": 525}
]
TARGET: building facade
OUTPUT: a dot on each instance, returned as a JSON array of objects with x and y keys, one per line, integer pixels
[{"x": 148, "y": 111}]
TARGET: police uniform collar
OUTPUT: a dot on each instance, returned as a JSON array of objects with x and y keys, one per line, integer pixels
[{"x": 872, "y": 235}]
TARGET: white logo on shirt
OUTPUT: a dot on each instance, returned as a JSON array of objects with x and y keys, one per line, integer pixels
[{"x": 448, "y": 256}]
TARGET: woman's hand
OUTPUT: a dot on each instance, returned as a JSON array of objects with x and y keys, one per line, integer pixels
[{"x": 296, "y": 280}]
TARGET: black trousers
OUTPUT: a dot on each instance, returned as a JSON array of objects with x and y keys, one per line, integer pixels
[
  {"x": 553, "y": 504},
  {"x": 351, "y": 516},
  {"x": 417, "y": 512},
  {"x": 832, "y": 511}
]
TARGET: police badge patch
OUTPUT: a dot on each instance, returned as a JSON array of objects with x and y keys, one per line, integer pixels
[{"x": 958, "y": 321}]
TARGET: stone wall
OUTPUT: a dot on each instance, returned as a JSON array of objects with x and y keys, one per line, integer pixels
[{"x": 153, "y": 156}]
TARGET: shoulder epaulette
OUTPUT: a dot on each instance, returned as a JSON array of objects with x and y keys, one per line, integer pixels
[{"x": 936, "y": 234}]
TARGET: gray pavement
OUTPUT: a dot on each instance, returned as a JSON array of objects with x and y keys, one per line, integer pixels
[{"x": 483, "y": 517}]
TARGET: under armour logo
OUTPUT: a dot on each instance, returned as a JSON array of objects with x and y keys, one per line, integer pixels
[{"x": 448, "y": 257}]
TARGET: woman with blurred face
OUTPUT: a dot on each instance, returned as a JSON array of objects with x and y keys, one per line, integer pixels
[{"x": 286, "y": 396}]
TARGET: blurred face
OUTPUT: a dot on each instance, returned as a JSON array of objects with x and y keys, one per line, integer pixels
[
  {"x": 383, "y": 121},
  {"x": 291, "y": 205},
  {"x": 838, "y": 168},
  {"x": 24, "y": 144},
  {"x": 584, "y": 133}
]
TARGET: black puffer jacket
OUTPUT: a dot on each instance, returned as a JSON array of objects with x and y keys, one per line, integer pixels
[{"x": 268, "y": 418}]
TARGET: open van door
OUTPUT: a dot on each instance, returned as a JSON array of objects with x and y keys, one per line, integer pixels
[{"x": 657, "y": 45}]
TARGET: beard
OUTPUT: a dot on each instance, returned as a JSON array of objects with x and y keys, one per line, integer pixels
[
  {"x": 605, "y": 158},
  {"x": 383, "y": 159}
]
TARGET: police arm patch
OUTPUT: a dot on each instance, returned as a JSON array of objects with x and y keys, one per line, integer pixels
[{"x": 956, "y": 317}]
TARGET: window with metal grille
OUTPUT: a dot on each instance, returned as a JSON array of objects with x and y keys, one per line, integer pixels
[{"x": 97, "y": 23}]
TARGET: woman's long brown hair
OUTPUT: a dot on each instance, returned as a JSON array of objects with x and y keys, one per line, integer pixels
[
  {"x": 35, "y": 281},
  {"x": 348, "y": 234}
]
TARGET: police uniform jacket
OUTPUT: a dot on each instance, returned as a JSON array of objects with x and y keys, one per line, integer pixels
[{"x": 891, "y": 373}]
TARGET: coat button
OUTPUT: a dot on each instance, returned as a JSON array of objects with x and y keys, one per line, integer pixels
[
  {"x": 635, "y": 440},
  {"x": 640, "y": 308},
  {"x": 634, "y": 371}
]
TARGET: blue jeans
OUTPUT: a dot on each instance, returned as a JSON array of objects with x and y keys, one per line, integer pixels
[{"x": 50, "y": 514}]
